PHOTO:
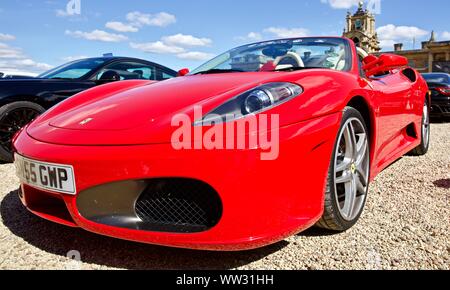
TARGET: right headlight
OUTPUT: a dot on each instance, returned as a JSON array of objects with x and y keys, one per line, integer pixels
[{"x": 252, "y": 102}]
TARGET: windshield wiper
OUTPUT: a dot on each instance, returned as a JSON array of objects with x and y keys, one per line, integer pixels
[
  {"x": 218, "y": 71},
  {"x": 299, "y": 68},
  {"x": 60, "y": 79}
]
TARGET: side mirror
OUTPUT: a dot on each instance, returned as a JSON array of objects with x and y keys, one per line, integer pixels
[
  {"x": 183, "y": 72},
  {"x": 386, "y": 62}
]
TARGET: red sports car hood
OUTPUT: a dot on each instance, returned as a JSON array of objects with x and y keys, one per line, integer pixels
[
  {"x": 140, "y": 115},
  {"x": 139, "y": 106}
]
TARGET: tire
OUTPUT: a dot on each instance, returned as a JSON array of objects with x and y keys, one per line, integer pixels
[
  {"x": 13, "y": 117},
  {"x": 348, "y": 176},
  {"x": 424, "y": 146}
]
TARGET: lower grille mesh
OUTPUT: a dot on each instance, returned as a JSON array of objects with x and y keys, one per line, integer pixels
[{"x": 179, "y": 205}]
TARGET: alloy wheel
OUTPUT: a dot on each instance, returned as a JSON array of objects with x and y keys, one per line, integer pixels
[
  {"x": 12, "y": 122},
  {"x": 426, "y": 125},
  {"x": 351, "y": 170}
]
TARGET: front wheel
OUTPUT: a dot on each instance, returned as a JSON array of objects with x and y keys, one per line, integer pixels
[
  {"x": 13, "y": 117},
  {"x": 348, "y": 176}
]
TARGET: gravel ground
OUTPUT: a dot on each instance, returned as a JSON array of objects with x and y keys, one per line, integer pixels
[{"x": 405, "y": 226}]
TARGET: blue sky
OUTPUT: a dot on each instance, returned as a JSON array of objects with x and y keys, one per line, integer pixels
[{"x": 36, "y": 35}]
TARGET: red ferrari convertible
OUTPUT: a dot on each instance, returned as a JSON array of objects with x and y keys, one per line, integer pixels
[{"x": 260, "y": 143}]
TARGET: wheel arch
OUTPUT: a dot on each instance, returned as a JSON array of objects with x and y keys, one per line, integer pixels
[
  {"x": 362, "y": 105},
  {"x": 22, "y": 98}
]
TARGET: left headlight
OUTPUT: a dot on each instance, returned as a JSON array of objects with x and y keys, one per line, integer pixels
[{"x": 252, "y": 102}]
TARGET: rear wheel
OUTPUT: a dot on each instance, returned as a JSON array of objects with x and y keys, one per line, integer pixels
[
  {"x": 348, "y": 176},
  {"x": 424, "y": 146},
  {"x": 13, "y": 117}
]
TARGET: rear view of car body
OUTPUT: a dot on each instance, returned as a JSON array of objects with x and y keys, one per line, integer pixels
[
  {"x": 440, "y": 100},
  {"x": 439, "y": 85}
]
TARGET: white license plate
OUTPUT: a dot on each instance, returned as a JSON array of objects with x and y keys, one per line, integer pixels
[{"x": 48, "y": 176}]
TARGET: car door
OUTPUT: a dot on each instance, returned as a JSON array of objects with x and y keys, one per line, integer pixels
[
  {"x": 387, "y": 100},
  {"x": 392, "y": 98}
]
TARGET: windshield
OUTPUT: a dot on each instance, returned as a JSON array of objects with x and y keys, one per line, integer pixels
[
  {"x": 285, "y": 54},
  {"x": 436, "y": 78},
  {"x": 74, "y": 70}
]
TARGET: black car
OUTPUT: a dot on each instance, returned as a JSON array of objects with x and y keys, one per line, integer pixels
[
  {"x": 16, "y": 77},
  {"x": 22, "y": 100},
  {"x": 439, "y": 85}
]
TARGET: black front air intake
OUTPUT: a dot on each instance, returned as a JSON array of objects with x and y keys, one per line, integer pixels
[{"x": 179, "y": 205}]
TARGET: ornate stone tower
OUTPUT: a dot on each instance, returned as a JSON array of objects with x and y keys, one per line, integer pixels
[{"x": 361, "y": 28}]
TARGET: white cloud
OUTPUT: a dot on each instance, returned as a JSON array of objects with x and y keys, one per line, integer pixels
[
  {"x": 161, "y": 19},
  {"x": 121, "y": 27},
  {"x": 72, "y": 58},
  {"x": 74, "y": 17},
  {"x": 387, "y": 44},
  {"x": 251, "y": 36},
  {"x": 445, "y": 35},
  {"x": 391, "y": 31},
  {"x": 98, "y": 35},
  {"x": 16, "y": 72},
  {"x": 176, "y": 44},
  {"x": 195, "y": 55},
  {"x": 14, "y": 62},
  {"x": 287, "y": 32},
  {"x": 32, "y": 64},
  {"x": 6, "y": 37},
  {"x": 62, "y": 13},
  {"x": 8, "y": 52},
  {"x": 391, "y": 34},
  {"x": 137, "y": 19},
  {"x": 341, "y": 4},
  {"x": 158, "y": 47},
  {"x": 274, "y": 32},
  {"x": 186, "y": 40}
]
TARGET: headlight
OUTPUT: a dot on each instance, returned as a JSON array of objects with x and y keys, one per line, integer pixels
[
  {"x": 252, "y": 102},
  {"x": 257, "y": 101}
]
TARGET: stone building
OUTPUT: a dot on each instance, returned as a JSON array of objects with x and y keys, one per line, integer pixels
[
  {"x": 433, "y": 56},
  {"x": 361, "y": 29}
]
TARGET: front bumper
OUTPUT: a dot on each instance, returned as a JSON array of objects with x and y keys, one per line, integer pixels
[{"x": 263, "y": 202}]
